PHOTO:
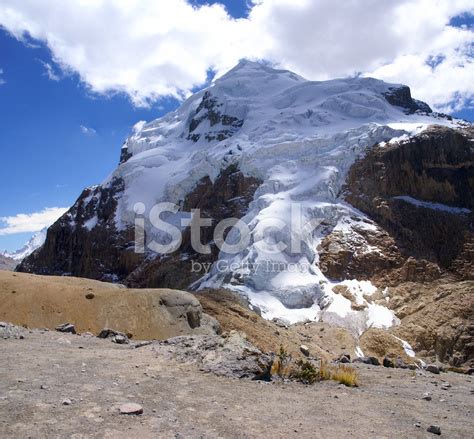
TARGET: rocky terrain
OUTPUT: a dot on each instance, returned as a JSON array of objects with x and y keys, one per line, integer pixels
[
  {"x": 65, "y": 385},
  {"x": 208, "y": 373}
]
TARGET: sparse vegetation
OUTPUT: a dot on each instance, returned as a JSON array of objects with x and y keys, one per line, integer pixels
[
  {"x": 346, "y": 375},
  {"x": 306, "y": 372},
  {"x": 282, "y": 364},
  {"x": 310, "y": 372}
]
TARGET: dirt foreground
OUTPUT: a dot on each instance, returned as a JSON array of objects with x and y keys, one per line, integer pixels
[{"x": 71, "y": 386}]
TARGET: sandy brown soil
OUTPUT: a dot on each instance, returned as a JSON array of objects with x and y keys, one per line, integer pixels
[
  {"x": 48, "y": 301},
  {"x": 44, "y": 369}
]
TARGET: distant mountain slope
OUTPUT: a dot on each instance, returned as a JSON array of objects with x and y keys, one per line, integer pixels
[
  {"x": 7, "y": 263},
  {"x": 36, "y": 241}
]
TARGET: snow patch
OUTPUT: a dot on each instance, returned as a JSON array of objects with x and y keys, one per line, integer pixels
[{"x": 434, "y": 206}]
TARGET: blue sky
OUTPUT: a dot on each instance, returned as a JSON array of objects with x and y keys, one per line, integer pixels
[
  {"x": 59, "y": 135},
  {"x": 47, "y": 159}
]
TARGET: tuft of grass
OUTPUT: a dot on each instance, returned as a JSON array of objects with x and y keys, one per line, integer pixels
[
  {"x": 324, "y": 371},
  {"x": 282, "y": 364},
  {"x": 346, "y": 375},
  {"x": 309, "y": 372}
]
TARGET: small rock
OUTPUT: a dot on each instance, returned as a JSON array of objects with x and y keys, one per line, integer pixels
[
  {"x": 66, "y": 402},
  {"x": 432, "y": 368},
  {"x": 387, "y": 362},
  {"x": 434, "y": 429},
  {"x": 90, "y": 296},
  {"x": 426, "y": 397},
  {"x": 417, "y": 424},
  {"x": 120, "y": 339},
  {"x": 141, "y": 344},
  {"x": 115, "y": 336},
  {"x": 304, "y": 350},
  {"x": 400, "y": 363},
  {"x": 367, "y": 360},
  {"x": 130, "y": 408},
  {"x": 344, "y": 358},
  {"x": 66, "y": 327}
]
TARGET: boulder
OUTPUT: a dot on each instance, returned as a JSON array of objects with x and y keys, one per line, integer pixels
[
  {"x": 304, "y": 350},
  {"x": 114, "y": 336},
  {"x": 230, "y": 355}
]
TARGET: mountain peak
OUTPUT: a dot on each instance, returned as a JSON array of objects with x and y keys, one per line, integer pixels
[
  {"x": 250, "y": 68},
  {"x": 36, "y": 241}
]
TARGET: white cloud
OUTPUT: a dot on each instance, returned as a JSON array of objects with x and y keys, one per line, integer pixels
[
  {"x": 154, "y": 48},
  {"x": 2, "y": 81},
  {"x": 50, "y": 72},
  {"x": 30, "y": 222},
  {"x": 88, "y": 131}
]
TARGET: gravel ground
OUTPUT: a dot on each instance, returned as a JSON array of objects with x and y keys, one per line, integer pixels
[{"x": 71, "y": 386}]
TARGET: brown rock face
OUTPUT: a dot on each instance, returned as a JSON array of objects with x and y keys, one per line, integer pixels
[
  {"x": 436, "y": 166},
  {"x": 227, "y": 197},
  {"x": 85, "y": 242},
  {"x": 420, "y": 193}
]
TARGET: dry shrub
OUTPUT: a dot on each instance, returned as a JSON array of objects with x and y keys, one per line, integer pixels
[
  {"x": 282, "y": 364},
  {"x": 310, "y": 373},
  {"x": 346, "y": 375}
]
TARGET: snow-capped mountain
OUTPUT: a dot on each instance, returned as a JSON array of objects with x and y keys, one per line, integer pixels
[
  {"x": 255, "y": 144},
  {"x": 35, "y": 242}
]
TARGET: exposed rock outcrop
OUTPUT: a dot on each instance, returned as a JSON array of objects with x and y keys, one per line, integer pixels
[
  {"x": 401, "y": 97},
  {"x": 230, "y": 355},
  {"x": 419, "y": 192},
  {"x": 213, "y": 112},
  {"x": 85, "y": 241}
]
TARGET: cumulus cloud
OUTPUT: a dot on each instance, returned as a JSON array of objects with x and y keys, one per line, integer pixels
[
  {"x": 30, "y": 222},
  {"x": 88, "y": 131},
  {"x": 154, "y": 48}
]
